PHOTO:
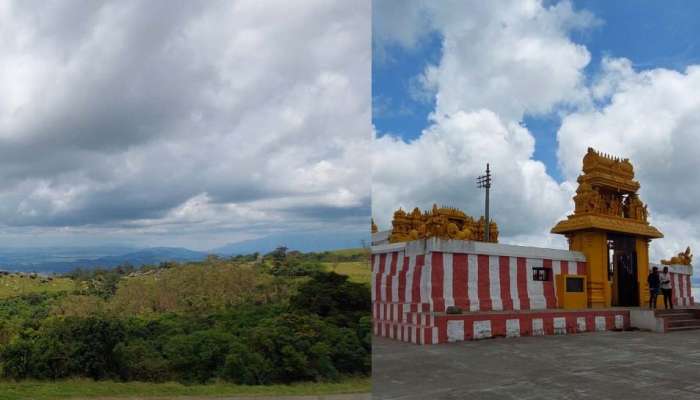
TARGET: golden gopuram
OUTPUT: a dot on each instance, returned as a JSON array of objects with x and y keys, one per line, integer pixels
[
  {"x": 441, "y": 222},
  {"x": 609, "y": 226}
]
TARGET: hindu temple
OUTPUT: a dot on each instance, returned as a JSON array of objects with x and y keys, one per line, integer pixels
[{"x": 436, "y": 279}]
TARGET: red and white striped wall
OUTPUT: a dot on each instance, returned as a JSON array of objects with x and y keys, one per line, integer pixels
[
  {"x": 680, "y": 283},
  {"x": 474, "y": 326},
  {"x": 477, "y": 278},
  {"x": 414, "y": 283}
]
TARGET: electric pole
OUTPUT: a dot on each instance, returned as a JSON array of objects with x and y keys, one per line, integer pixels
[{"x": 484, "y": 181}]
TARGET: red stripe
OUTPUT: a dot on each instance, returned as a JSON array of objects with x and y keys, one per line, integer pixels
[
  {"x": 673, "y": 290},
  {"x": 504, "y": 275},
  {"x": 571, "y": 326},
  {"x": 522, "y": 284},
  {"x": 390, "y": 278},
  {"x": 565, "y": 268},
  {"x": 459, "y": 279},
  {"x": 402, "y": 281},
  {"x": 380, "y": 272},
  {"x": 548, "y": 325},
  {"x": 548, "y": 285},
  {"x": 442, "y": 330},
  {"x": 418, "y": 270},
  {"x": 469, "y": 328},
  {"x": 437, "y": 272},
  {"x": 484, "y": 283},
  {"x": 498, "y": 325}
]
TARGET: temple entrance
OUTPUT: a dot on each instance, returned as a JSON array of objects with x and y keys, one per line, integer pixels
[
  {"x": 610, "y": 227},
  {"x": 622, "y": 270}
]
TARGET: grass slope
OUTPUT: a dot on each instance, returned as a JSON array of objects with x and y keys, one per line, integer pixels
[
  {"x": 16, "y": 285},
  {"x": 87, "y": 388},
  {"x": 356, "y": 271}
]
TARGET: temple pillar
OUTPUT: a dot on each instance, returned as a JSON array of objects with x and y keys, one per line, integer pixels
[
  {"x": 642, "y": 250},
  {"x": 593, "y": 244}
]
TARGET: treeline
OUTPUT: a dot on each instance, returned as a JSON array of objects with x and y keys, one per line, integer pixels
[
  {"x": 197, "y": 322},
  {"x": 350, "y": 255}
]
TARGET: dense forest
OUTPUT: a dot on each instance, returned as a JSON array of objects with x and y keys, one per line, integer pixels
[{"x": 279, "y": 318}]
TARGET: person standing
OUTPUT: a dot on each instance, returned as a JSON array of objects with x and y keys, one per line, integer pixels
[
  {"x": 666, "y": 290},
  {"x": 654, "y": 285}
]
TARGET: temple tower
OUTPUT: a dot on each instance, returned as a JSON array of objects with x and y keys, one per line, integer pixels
[{"x": 609, "y": 226}]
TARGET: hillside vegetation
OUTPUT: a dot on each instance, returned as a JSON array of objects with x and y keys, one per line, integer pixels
[
  {"x": 282, "y": 318},
  {"x": 12, "y": 285}
]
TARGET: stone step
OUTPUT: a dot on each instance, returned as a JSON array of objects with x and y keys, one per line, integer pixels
[
  {"x": 673, "y": 310},
  {"x": 678, "y": 316},
  {"x": 673, "y": 313},
  {"x": 684, "y": 328},
  {"x": 683, "y": 322}
]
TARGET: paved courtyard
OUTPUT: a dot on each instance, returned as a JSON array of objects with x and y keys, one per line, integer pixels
[
  {"x": 359, "y": 396},
  {"x": 603, "y": 365}
]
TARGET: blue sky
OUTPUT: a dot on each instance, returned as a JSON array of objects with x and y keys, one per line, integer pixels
[{"x": 652, "y": 34}]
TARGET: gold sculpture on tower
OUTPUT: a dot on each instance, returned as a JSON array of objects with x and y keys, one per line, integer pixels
[
  {"x": 443, "y": 222},
  {"x": 607, "y": 199},
  {"x": 684, "y": 258}
]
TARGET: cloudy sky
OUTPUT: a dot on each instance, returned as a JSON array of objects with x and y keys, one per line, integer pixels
[
  {"x": 528, "y": 86},
  {"x": 182, "y": 123}
]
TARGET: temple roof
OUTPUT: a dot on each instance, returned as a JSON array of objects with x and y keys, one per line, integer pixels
[{"x": 620, "y": 225}]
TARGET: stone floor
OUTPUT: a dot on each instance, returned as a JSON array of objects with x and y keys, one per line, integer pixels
[
  {"x": 602, "y": 365},
  {"x": 359, "y": 396}
]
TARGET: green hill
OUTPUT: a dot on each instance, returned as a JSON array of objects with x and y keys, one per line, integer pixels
[{"x": 228, "y": 320}]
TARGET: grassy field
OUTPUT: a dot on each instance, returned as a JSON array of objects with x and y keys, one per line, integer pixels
[
  {"x": 87, "y": 388},
  {"x": 356, "y": 271},
  {"x": 350, "y": 252},
  {"x": 15, "y": 285}
]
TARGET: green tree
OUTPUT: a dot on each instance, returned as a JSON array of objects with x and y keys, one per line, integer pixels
[
  {"x": 199, "y": 356},
  {"x": 333, "y": 297}
]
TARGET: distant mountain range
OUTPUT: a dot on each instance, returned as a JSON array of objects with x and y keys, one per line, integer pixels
[
  {"x": 50, "y": 260},
  {"x": 305, "y": 242}
]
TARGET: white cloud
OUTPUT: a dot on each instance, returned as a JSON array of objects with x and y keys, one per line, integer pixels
[
  {"x": 144, "y": 115},
  {"x": 512, "y": 57},
  {"x": 652, "y": 117},
  {"x": 499, "y": 61},
  {"x": 442, "y": 165}
]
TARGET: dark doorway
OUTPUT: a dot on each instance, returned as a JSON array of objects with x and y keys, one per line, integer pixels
[{"x": 623, "y": 270}]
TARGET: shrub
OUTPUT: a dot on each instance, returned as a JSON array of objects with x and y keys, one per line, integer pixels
[
  {"x": 140, "y": 360},
  {"x": 247, "y": 367},
  {"x": 65, "y": 348},
  {"x": 199, "y": 356},
  {"x": 334, "y": 298},
  {"x": 296, "y": 345}
]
